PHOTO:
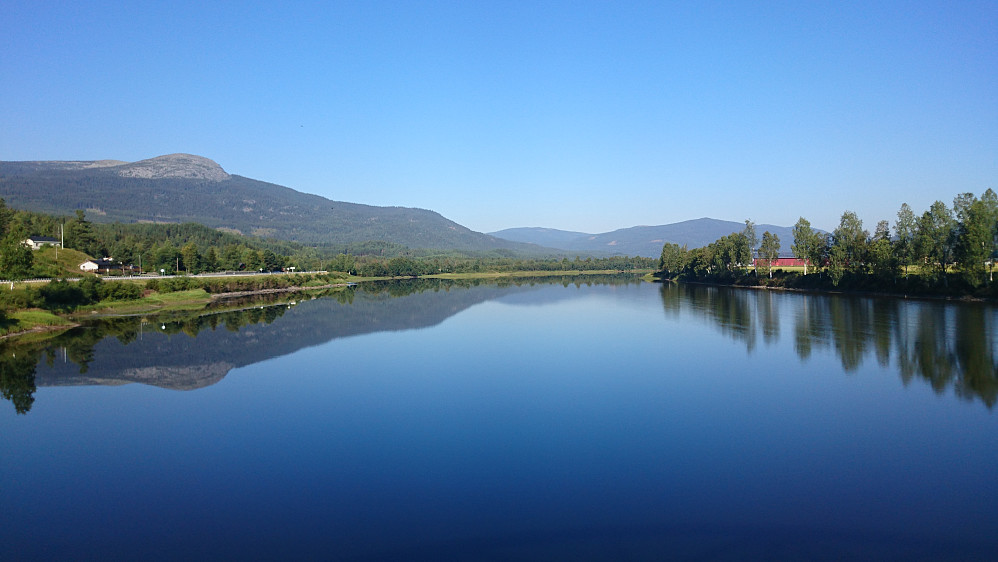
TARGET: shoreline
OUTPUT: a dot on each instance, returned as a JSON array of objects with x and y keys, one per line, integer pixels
[
  {"x": 141, "y": 309},
  {"x": 868, "y": 294}
]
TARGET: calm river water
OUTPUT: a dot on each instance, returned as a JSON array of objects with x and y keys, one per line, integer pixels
[{"x": 430, "y": 421}]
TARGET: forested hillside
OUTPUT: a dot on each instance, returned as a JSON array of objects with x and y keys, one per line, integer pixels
[{"x": 186, "y": 188}]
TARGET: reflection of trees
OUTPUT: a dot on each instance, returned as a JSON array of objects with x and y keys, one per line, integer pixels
[
  {"x": 406, "y": 287},
  {"x": 740, "y": 314},
  {"x": 17, "y": 379},
  {"x": 18, "y": 361},
  {"x": 949, "y": 345},
  {"x": 975, "y": 354},
  {"x": 184, "y": 363}
]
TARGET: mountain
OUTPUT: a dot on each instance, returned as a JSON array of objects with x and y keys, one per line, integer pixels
[
  {"x": 188, "y": 188},
  {"x": 642, "y": 240},
  {"x": 550, "y": 237}
]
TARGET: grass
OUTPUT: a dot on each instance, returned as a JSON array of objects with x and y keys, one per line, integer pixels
[
  {"x": 194, "y": 299},
  {"x": 24, "y": 321},
  {"x": 67, "y": 265}
]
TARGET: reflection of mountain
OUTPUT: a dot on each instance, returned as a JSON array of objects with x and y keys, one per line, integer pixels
[
  {"x": 197, "y": 352},
  {"x": 171, "y": 357},
  {"x": 947, "y": 344}
]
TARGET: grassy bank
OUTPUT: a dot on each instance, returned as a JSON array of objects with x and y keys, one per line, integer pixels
[
  {"x": 23, "y": 323},
  {"x": 36, "y": 308}
]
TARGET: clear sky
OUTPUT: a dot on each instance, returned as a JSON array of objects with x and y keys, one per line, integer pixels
[{"x": 586, "y": 116}]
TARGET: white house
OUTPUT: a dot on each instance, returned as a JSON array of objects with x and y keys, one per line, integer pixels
[
  {"x": 37, "y": 242},
  {"x": 100, "y": 264}
]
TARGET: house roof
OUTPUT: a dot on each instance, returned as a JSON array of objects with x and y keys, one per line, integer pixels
[{"x": 42, "y": 239}]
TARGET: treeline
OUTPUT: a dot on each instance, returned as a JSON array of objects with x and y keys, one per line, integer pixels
[
  {"x": 413, "y": 267},
  {"x": 61, "y": 295},
  {"x": 946, "y": 249},
  {"x": 194, "y": 248}
]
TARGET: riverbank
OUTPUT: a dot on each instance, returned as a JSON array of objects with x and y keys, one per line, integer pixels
[
  {"x": 911, "y": 287},
  {"x": 24, "y": 323}
]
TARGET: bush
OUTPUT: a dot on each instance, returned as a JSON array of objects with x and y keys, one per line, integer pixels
[
  {"x": 175, "y": 284},
  {"x": 91, "y": 289},
  {"x": 120, "y": 291},
  {"x": 61, "y": 294},
  {"x": 27, "y": 297}
]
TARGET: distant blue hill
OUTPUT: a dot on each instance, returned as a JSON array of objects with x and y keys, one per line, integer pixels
[
  {"x": 548, "y": 237},
  {"x": 642, "y": 240}
]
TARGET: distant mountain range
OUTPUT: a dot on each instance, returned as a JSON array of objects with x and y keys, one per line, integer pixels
[
  {"x": 187, "y": 188},
  {"x": 641, "y": 240}
]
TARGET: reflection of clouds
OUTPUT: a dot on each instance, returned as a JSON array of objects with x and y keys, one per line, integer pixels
[{"x": 948, "y": 345}]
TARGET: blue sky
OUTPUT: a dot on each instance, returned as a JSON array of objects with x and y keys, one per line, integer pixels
[{"x": 584, "y": 116}]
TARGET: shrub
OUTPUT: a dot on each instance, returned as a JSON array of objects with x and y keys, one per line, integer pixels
[
  {"x": 175, "y": 284},
  {"x": 91, "y": 289},
  {"x": 119, "y": 291},
  {"x": 61, "y": 294}
]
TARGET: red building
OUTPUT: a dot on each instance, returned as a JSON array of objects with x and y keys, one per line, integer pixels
[{"x": 781, "y": 262}]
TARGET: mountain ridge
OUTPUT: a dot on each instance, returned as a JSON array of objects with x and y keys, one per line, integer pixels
[
  {"x": 644, "y": 241},
  {"x": 181, "y": 188}
]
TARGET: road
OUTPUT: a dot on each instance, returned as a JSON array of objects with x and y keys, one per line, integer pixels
[{"x": 198, "y": 276}]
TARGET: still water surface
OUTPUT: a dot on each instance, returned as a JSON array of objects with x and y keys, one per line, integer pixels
[{"x": 614, "y": 421}]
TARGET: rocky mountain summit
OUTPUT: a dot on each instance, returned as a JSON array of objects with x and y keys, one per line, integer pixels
[{"x": 188, "y": 166}]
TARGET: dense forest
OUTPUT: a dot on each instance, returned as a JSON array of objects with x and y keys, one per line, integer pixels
[
  {"x": 945, "y": 250},
  {"x": 195, "y": 248}
]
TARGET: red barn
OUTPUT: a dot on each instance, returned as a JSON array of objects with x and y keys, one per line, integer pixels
[{"x": 781, "y": 262}]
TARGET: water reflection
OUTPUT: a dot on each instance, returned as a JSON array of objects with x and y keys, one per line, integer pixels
[
  {"x": 948, "y": 345},
  {"x": 190, "y": 350}
]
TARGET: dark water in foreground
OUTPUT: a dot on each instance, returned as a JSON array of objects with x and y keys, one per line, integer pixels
[{"x": 534, "y": 422}]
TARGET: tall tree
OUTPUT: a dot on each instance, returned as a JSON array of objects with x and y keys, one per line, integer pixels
[
  {"x": 904, "y": 231},
  {"x": 252, "y": 259},
  {"x": 16, "y": 259},
  {"x": 80, "y": 236},
  {"x": 270, "y": 261},
  {"x": 674, "y": 259},
  {"x": 848, "y": 251},
  {"x": 934, "y": 239},
  {"x": 880, "y": 252},
  {"x": 191, "y": 258},
  {"x": 975, "y": 235},
  {"x": 806, "y": 243},
  {"x": 769, "y": 250},
  {"x": 211, "y": 259}
]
